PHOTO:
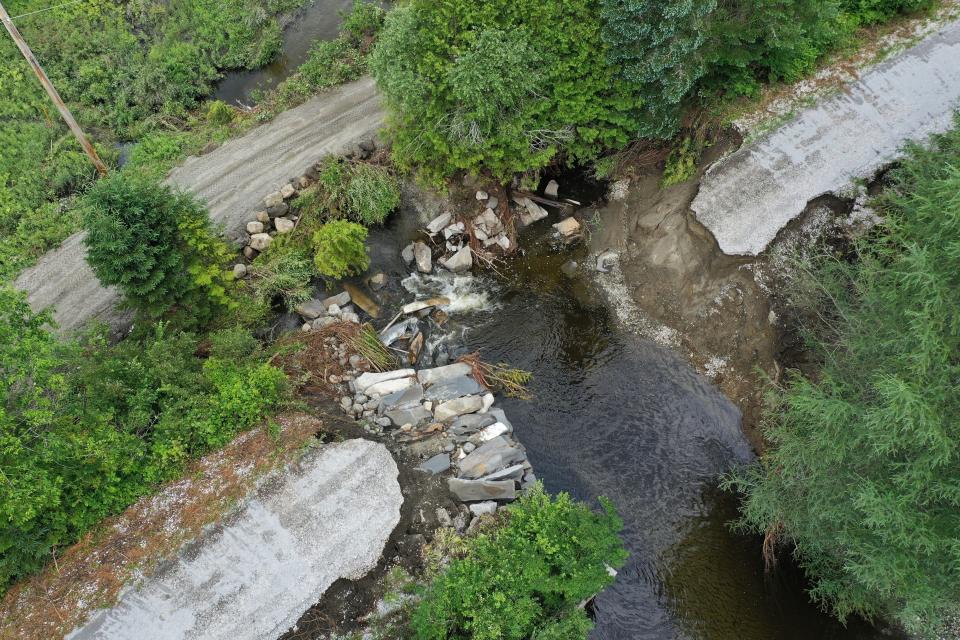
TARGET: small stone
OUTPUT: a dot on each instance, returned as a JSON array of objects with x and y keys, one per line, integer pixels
[
  {"x": 283, "y": 225},
  {"x": 428, "y": 405},
  {"x": 325, "y": 321},
  {"x": 287, "y": 191},
  {"x": 304, "y": 181},
  {"x": 378, "y": 281},
  {"x": 569, "y": 268},
  {"x": 350, "y": 316},
  {"x": 552, "y": 190},
  {"x": 406, "y": 427},
  {"x": 361, "y": 398},
  {"x": 254, "y": 226},
  {"x": 273, "y": 199},
  {"x": 383, "y": 422},
  {"x": 437, "y": 464},
  {"x": 263, "y": 216},
  {"x": 279, "y": 210},
  {"x": 493, "y": 203},
  {"x": 355, "y": 361},
  {"x": 460, "y": 261},
  {"x": 454, "y": 230},
  {"x": 448, "y": 447},
  {"x": 306, "y": 327},
  {"x": 439, "y": 223},
  {"x": 605, "y": 261},
  {"x": 568, "y": 228},
  {"x": 482, "y": 490},
  {"x": 333, "y": 310},
  {"x": 346, "y": 401},
  {"x": 487, "y": 403},
  {"x": 260, "y": 241},
  {"x": 482, "y": 195},
  {"x": 421, "y": 253},
  {"x": 407, "y": 254},
  {"x": 239, "y": 270},
  {"x": 483, "y": 508},
  {"x": 468, "y": 447},
  {"x": 250, "y": 253},
  {"x": 443, "y": 517}
]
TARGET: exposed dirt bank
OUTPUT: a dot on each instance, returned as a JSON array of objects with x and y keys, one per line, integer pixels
[{"x": 730, "y": 315}]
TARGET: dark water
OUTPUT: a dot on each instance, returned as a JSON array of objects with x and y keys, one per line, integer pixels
[
  {"x": 318, "y": 20},
  {"x": 622, "y": 417}
]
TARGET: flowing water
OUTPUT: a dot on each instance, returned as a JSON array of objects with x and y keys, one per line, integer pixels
[{"x": 618, "y": 416}]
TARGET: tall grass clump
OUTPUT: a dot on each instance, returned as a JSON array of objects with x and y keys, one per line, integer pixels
[{"x": 862, "y": 479}]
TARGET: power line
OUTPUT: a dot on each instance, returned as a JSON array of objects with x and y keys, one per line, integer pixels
[
  {"x": 33, "y": 13},
  {"x": 52, "y": 91}
]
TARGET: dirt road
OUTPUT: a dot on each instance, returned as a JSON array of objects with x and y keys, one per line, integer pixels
[{"x": 232, "y": 180}]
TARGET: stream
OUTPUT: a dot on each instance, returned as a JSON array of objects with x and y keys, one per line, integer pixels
[
  {"x": 613, "y": 415},
  {"x": 618, "y": 416}
]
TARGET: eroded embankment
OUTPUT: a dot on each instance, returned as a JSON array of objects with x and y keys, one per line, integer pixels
[{"x": 748, "y": 197}]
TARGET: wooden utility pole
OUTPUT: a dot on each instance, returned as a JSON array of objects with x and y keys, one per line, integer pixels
[{"x": 52, "y": 92}]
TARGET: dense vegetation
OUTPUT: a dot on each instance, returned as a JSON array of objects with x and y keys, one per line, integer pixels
[
  {"x": 526, "y": 578},
  {"x": 86, "y": 427},
  {"x": 137, "y": 71},
  {"x": 864, "y": 477},
  {"x": 509, "y": 86}
]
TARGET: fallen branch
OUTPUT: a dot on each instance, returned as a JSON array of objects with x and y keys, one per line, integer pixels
[{"x": 500, "y": 376}]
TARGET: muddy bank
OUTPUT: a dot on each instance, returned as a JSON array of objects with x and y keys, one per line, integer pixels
[{"x": 731, "y": 316}]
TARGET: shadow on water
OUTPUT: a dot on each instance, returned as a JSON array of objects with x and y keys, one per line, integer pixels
[
  {"x": 618, "y": 416},
  {"x": 318, "y": 20}
]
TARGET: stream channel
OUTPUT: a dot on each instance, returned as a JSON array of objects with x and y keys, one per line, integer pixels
[
  {"x": 613, "y": 415},
  {"x": 619, "y": 416}
]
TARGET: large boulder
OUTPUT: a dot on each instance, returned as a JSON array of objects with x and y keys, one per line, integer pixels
[
  {"x": 422, "y": 254},
  {"x": 460, "y": 261}
]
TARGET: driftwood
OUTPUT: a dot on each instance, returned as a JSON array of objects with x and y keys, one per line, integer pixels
[{"x": 560, "y": 204}]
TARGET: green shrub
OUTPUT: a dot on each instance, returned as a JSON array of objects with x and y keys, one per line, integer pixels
[
  {"x": 364, "y": 20},
  {"x": 285, "y": 273},
  {"x": 331, "y": 63},
  {"x": 219, "y": 113},
  {"x": 505, "y": 85},
  {"x": 681, "y": 164},
  {"x": 87, "y": 427},
  {"x": 526, "y": 579},
  {"x": 863, "y": 478},
  {"x": 339, "y": 249},
  {"x": 372, "y": 194},
  {"x": 156, "y": 246}
]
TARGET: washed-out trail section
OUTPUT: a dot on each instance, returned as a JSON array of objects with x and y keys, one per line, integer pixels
[
  {"x": 231, "y": 180},
  {"x": 329, "y": 517},
  {"x": 748, "y": 197}
]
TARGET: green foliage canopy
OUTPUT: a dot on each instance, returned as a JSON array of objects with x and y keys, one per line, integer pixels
[
  {"x": 864, "y": 476},
  {"x": 526, "y": 578},
  {"x": 505, "y": 85},
  {"x": 339, "y": 249},
  {"x": 157, "y": 246}
]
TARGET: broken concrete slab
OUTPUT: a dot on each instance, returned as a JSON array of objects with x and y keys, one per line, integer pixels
[
  {"x": 471, "y": 423},
  {"x": 413, "y": 416},
  {"x": 255, "y": 576},
  {"x": 390, "y": 386},
  {"x": 489, "y": 457},
  {"x": 437, "y": 464},
  {"x": 482, "y": 490},
  {"x": 366, "y": 380},
  {"x": 420, "y": 305},
  {"x": 439, "y": 374},
  {"x": 748, "y": 197},
  {"x": 405, "y": 329},
  {"x": 412, "y": 396},
  {"x": 492, "y": 431},
  {"x": 513, "y": 472},
  {"x": 438, "y": 223},
  {"x": 458, "y": 407},
  {"x": 453, "y": 388}
]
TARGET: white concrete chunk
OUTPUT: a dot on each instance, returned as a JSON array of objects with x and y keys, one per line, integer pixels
[
  {"x": 328, "y": 518},
  {"x": 368, "y": 379}
]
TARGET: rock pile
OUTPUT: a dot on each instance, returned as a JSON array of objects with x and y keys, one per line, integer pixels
[
  {"x": 275, "y": 216},
  {"x": 449, "y": 409}
]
